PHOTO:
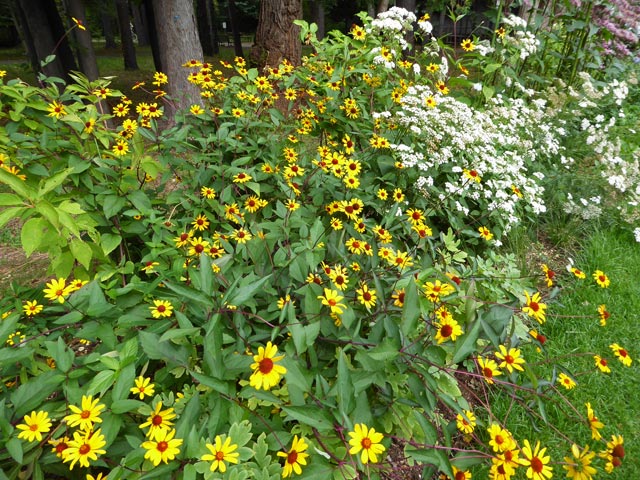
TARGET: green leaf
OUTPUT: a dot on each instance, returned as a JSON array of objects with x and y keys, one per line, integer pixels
[
  {"x": 7, "y": 199},
  {"x": 14, "y": 447},
  {"x": 9, "y": 214},
  {"x": 311, "y": 416},
  {"x": 81, "y": 252},
  {"x": 431, "y": 456},
  {"x": 176, "y": 333},
  {"x": 54, "y": 182},
  {"x": 32, "y": 234},
  {"x": 101, "y": 382},
  {"x": 141, "y": 201},
  {"x": 33, "y": 394},
  {"x": 344, "y": 385},
  {"x": 166, "y": 351},
  {"x": 240, "y": 295},
  {"x": 112, "y": 205},
  {"x": 127, "y": 405},
  {"x": 213, "y": 383},
  {"x": 109, "y": 242},
  {"x": 62, "y": 354},
  {"x": 49, "y": 212},
  {"x": 467, "y": 345},
  {"x": 17, "y": 185},
  {"x": 410, "y": 309}
]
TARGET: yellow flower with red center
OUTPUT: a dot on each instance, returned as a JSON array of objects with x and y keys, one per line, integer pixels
[
  {"x": 472, "y": 175},
  {"x": 579, "y": 465},
  {"x": 488, "y": 369},
  {"x": 435, "y": 290},
  {"x": 466, "y": 422},
  {"x": 534, "y": 307},
  {"x": 467, "y": 45},
  {"x": 159, "y": 421},
  {"x": 603, "y": 314},
  {"x": 485, "y": 233},
  {"x": 500, "y": 439},
  {"x": 241, "y": 235},
  {"x": 295, "y": 457},
  {"x": 221, "y": 453},
  {"x": 536, "y": 461},
  {"x": 578, "y": 273},
  {"x": 548, "y": 275},
  {"x": 143, "y": 387},
  {"x": 34, "y": 426},
  {"x": 163, "y": 447},
  {"x": 197, "y": 245},
  {"x": 601, "y": 279},
  {"x": 602, "y": 364},
  {"x": 85, "y": 446},
  {"x": 366, "y": 296},
  {"x": 367, "y": 441},
  {"x": 87, "y": 414},
  {"x": 511, "y": 359},
  {"x": 266, "y": 371},
  {"x": 398, "y": 297},
  {"x": 161, "y": 308},
  {"x": 566, "y": 381},
  {"x": 57, "y": 289},
  {"x": 594, "y": 424},
  {"x": 332, "y": 299},
  {"x": 200, "y": 223},
  {"x": 622, "y": 354},
  {"x": 614, "y": 453},
  {"x": 56, "y": 110},
  {"x": 32, "y": 307},
  {"x": 338, "y": 276},
  {"x": 447, "y": 329}
]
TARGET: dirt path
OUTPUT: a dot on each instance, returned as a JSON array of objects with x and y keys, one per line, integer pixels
[{"x": 15, "y": 267}]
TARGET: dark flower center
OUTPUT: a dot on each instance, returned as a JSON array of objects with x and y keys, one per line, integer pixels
[{"x": 266, "y": 365}]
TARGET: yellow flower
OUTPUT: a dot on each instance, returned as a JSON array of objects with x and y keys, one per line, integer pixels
[
  {"x": 294, "y": 457},
  {"x": 435, "y": 290},
  {"x": 208, "y": 192},
  {"x": 241, "y": 235},
  {"x": 142, "y": 387},
  {"x": 398, "y": 297},
  {"x": 534, "y": 307},
  {"x": 485, "y": 233},
  {"x": 241, "y": 177},
  {"x": 59, "y": 445},
  {"x": 594, "y": 424},
  {"x": 366, "y": 440},
  {"x": 78, "y": 23},
  {"x": 56, "y": 110},
  {"x": 120, "y": 149},
  {"x": 34, "y": 426},
  {"x": 602, "y": 364},
  {"x": 501, "y": 439},
  {"x": 535, "y": 459},
  {"x": 511, "y": 359},
  {"x": 266, "y": 372},
  {"x": 86, "y": 445},
  {"x": 622, "y": 354},
  {"x": 163, "y": 448},
  {"x": 578, "y": 273},
  {"x": 160, "y": 79},
  {"x": 158, "y": 421},
  {"x": 57, "y": 289},
  {"x": 366, "y": 296},
  {"x": 603, "y": 314},
  {"x": 566, "y": 381},
  {"x": 579, "y": 466},
  {"x": 331, "y": 299},
  {"x": 200, "y": 223},
  {"x": 489, "y": 369},
  {"x": 448, "y": 329},
  {"x": 474, "y": 176},
  {"x": 220, "y": 453},
  {"x": 601, "y": 279},
  {"x": 31, "y": 308},
  {"x": 467, "y": 422},
  {"x": 86, "y": 415},
  {"x": 467, "y": 45},
  {"x": 161, "y": 308}
]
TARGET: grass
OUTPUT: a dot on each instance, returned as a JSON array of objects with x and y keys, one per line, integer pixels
[{"x": 574, "y": 333}]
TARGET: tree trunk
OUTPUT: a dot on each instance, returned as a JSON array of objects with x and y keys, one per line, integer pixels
[
  {"x": 276, "y": 37},
  {"x": 153, "y": 34},
  {"x": 86, "y": 54},
  {"x": 141, "y": 24},
  {"x": 126, "y": 38},
  {"x": 235, "y": 28},
  {"x": 43, "y": 34},
  {"x": 383, "y": 6},
  {"x": 178, "y": 41},
  {"x": 107, "y": 29},
  {"x": 317, "y": 16},
  {"x": 205, "y": 30}
]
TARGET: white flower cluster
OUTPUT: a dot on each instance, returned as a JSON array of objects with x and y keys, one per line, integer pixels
[
  {"x": 394, "y": 23},
  {"x": 521, "y": 38},
  {"x": 498, "y": 144},
  {"x": 587, "y": 208}
]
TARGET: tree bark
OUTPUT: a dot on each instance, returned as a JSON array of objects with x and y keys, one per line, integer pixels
[
  {"x": 317, "y": 16},
  {"x": 383, "y": 6},
  {"x": 141, "y": 24},
  {"x": 277, "y": 37},
  {"x": 179, "y": 42},
  {"x": 126, "y": 38},
  {"x": 235, "y": 28},
  {"x": 107, "y": 30},
  {"x": 43, "y": 34},
  {"x": 205, "y": 29},
  {"x": 86, "y": 54}
]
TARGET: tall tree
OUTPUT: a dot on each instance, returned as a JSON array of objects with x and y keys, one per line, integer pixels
[
  {"x": 141, "y": 24},
  {"x": 126, "y": 38},
  {"x": 316, "y": 8},
  {"x": 235, "y": 28},
  {"x": 43, "y": 34},
  {"x": 178, "y": 41},
  {"x": 206, "y": 27},
  {"x": 86, "y": 53},
  {"x": 277, "y": 37}
]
